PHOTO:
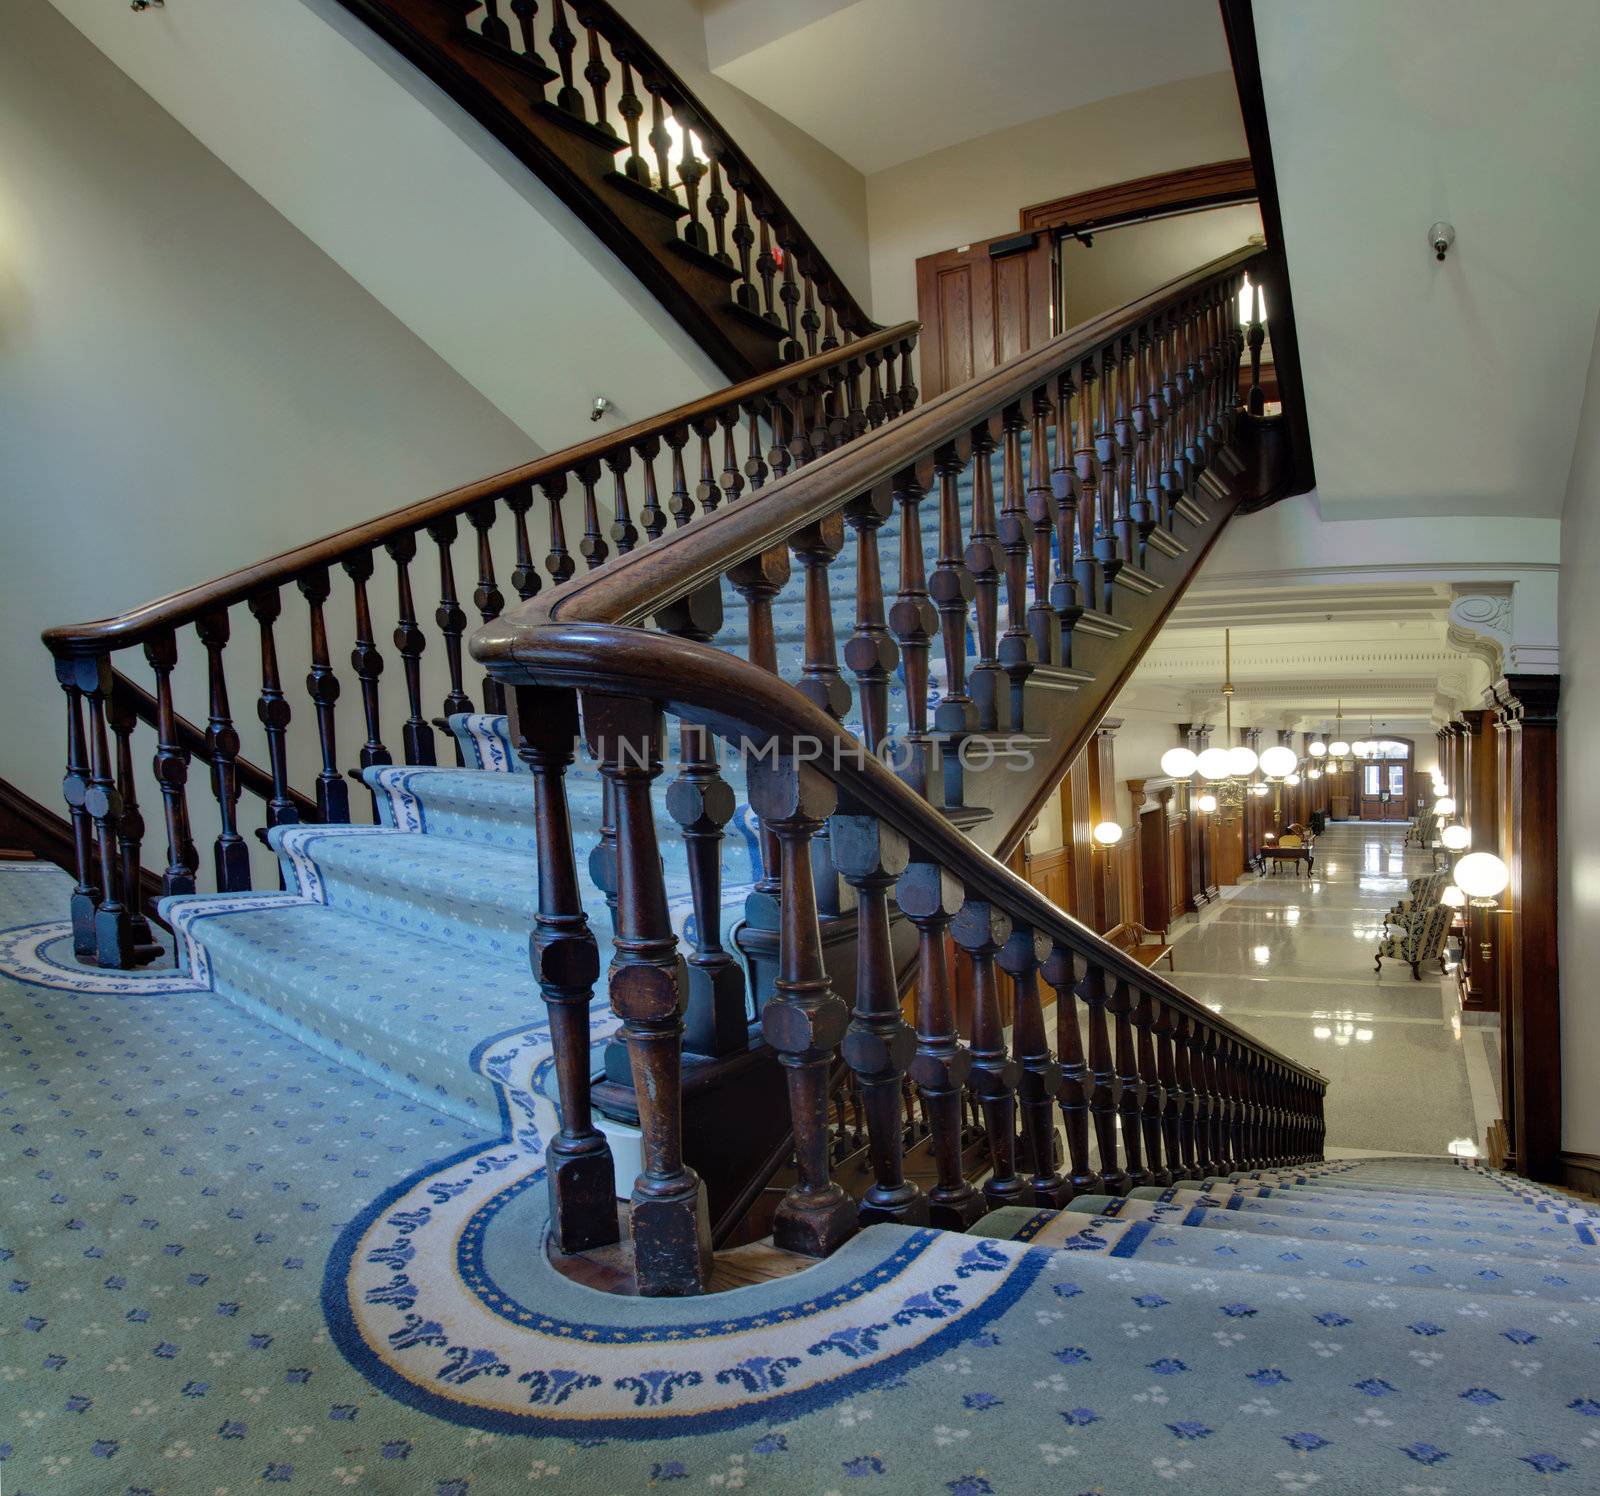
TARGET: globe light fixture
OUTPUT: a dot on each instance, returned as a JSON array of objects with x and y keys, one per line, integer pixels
[
  {"x": 1278, "y": 761},
  {"x": 1178, "y": 763},
  {"x": 1338, "y": 748},
  {"x": 1291, "y": 779},
  {"x": 1453, "y": 898},
  {"x": 1241, "y": 762},
  {"x": 1317, "y": 750},
  {"x": 1456, "y": 837},
  {"x": 1313, "y": 773},
  {"x": 1482, "y": 877},
  {"x": 1444, "y": 806},
  {"x": 1206, "y": 803},
  {"x": 1213, "y": 763},
  {"x": 1107, "y": 834}
]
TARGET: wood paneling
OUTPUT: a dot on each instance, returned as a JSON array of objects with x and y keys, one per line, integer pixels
[{"x": 980, "y": 305}]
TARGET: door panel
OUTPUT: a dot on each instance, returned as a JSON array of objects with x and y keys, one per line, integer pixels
[{"x": 980, "y": 305}]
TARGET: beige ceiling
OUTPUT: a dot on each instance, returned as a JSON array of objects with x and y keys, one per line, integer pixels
[
  {"x": 1454, "y": 388},
  {"x": 881, "y": 82}
]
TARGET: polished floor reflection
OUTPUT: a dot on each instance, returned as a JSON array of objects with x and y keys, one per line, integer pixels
[{"x": 1290, "y": 960}]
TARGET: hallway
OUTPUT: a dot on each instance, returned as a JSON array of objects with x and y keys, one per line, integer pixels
[{"x": 1290, "y": 959}]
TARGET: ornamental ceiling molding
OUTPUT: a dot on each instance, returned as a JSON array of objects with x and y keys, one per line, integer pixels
[
  {"x": 1190, "y": 663},
  {"x": 1481, "y": 622}
]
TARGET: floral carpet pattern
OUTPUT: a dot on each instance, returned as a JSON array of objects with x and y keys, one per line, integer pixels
[{"x": 199, "y": 1204}]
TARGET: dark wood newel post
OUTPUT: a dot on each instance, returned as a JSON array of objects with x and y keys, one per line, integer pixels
[
  {"x": 671, "y": 1225},
  {"x": 803, "y": 1020},
  {"x": 566, "y": 964}
]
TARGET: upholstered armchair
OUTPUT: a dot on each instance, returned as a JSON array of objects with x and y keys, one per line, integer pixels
[
  {"x": 1421, "y": 893},
  {"x": 1419, "y": 937}
]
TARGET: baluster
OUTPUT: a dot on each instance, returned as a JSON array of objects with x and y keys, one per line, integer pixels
[
  {"x": 142, "y": 946},
  {"x": 623, "y": 529},
  {"x": 566, "y": 962},
  {"x": 679, "y": 504},
  {"x": 1130, "y": 1084},
  {"x": 1018, "y": 652},
  {"x": 1233, "y": 1149},
  {"x": 113, "y": 934},
  {"x": 1188, "y": 1120},
  {"x": 492, "y": 28},
  {"x": 75, "y": 676},
  {"x": 597, "y": 75},
  {"x": 717, "y": 206},
  {"x": 487, "y": 597},
  {"x": 877, "y": 405},
  {"x": 1102, "y": 1077},
  {"x": 767, "y": 269},
  {"x": 758, "y": 581},
  {"x": 409, "y": 641},
  {"x": 1121, "y": 356},
  {"x": 929, "y": 897},
  {"x": 1040, "y": 1079},
  {"x": 322, "y": 686},
  {"x": 732, "y": 478},
  {"x": 1169, "y": 1118},
  {"x": 810, "y": 322},
  {"x": 171, "y": 769},
  {"x": 830, "y": 335},
  {"x": 222, "y": 743},
  {"x": 631, "y": 107},
  {"x": 670, "y": 1225},
  {"x": 878, "y": 1045},
  {"x": 1256, "y": 401},
  {"x": 870, "y": 652},
  {"x": 706, "y": 492},
  {"x": 983, "y": 565},
  {"x": 367, "y": 663},
  {"x": 755, "y": 467},
  {"x": 803, "y": 1020},
  {"x": 908, "y": 383},
  {"x": 789, "y": 294},
  {"x": 780, "y": 418},
  {"x": 1206, "y": 1152},
  {"x": 1061, "y": 971},
  {"x": 525, "y": 11},
  {"x": 592, "y": 547},
  {"x": 524, "y": 574},
  {"x": 951, "y": 588},
  {"x": 981, "y": 929},
  {"x": 651, "y": 515},
  {"x": 912, "y": 620},
  {"x": 1040, "y": 505},
  {"x": 564, "y": 42},
  {"x": 744, "y": 238},
  {"x": 1146, "y": 481},
  {"x": 1064, "y": 489},
  {"x": 1086, "y": 563},
  {"x": 691, "y": 169},
  {"x": 815, "y": 547},
  {"x": 273, "y": 709},
  {"x": 1194, "y": 434},
  {"x": 1247, "y": 1093},
  {"x": 1162, "y": 414},
  {"x": 450, "y": 618}
]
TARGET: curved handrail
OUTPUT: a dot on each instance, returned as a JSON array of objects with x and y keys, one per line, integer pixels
[
  {"x": 579, "y": 636},
  {"x": 149, "y": 619}
]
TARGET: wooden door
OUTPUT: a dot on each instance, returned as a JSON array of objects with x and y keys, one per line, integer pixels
[
  {"x": 1155, "y": 878},
  {"x": 980, "y": 305},
  {"x": 1385, "y": 789}
]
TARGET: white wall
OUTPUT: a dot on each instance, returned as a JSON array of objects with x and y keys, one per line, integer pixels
[
  {"x": 1578, "y": 833},
  {"x": 187, "y": 384},
  {"x": 974, "y": 191}
]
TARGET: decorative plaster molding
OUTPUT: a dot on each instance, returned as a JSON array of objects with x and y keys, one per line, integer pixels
[{"x": 1481, "y": 623}]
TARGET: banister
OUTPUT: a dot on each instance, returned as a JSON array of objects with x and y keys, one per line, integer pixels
[{"x": 141, "y": 623}]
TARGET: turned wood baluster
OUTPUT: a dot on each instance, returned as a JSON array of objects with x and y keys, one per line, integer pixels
[
  {"x": 717, "y": 205},
  {"x": 526, "y": 11},
  {"x": 908, "y": 383},
  {"x": 758, "y": 581},
  {"x": 1207, "y": 1103},
  {"x": 913, "y": 620},
  {"x": 1064, "y": 490},
  {"x": 558, "y": 559},
  {"x": 670, "y": 1225},
  {"x": 273, "y": 709},
  {"x": 566, "y": 963},
  {"x": 1154, "y": 1094},
  {"x": 409, "y": 641},
  {"x": 789, "y": 351},
  {"x": 707, "y": 493},
  {"x": 870, "y": 652},
  {"x": 1040, "y": 1079},
  {"x": 1146, "y": 506},
  {"x": 1112, "y": 519},
  {"x": 1165, "y": 1028},
  {"x": 951, "y": 588},
  {"x": 855, "y": 408},
  {"x": 367, "y": 663},
  {"x": 830, "y": 334},
  {"x": 929, "y": 897},
  {"x": 1018, "y": 652},
  {"x": 564, "y": 42},
  {"x": 679, "y": 504},
  {"x": 755, "y": 466},
  {"x": 171, "y": 769},
  {"x": 803, "y": 1020},
  {"x": 623, "y": 529},
  {"x": 322, "y": 686},
  {"x": 75, "y": 676},
  {"x": 113, "y": 932},
  {"x": 1040, "y": 506},
  {"x": 596, "y": 74},
  {"x": 780, "y": 418},
  {"x": 810, "y": 321},
  {"x": 732, "y": 478},
  {"x": 492, "y": 28},
  {"x": 981, "y": 929},
  {"x": 815, "y": 547},
  {"x": 1194, "y": 434},
  {"x": 983, "y": 565},
  {"x": 1129, "y": 1083},
  {"x": 450, "y": 618},
  {"x": 1256, "y": 401},
  {"x": 631, "y": 107},
  {"x": 878, "y": 1045},
  {"x": 691, "y": 170},
  {"x": 1104, "y": 1093},
  {"x": 1163, "y": 401},
  {"x": 878, "y": 411},
  {"x": 744, "y": 238},
  {"x": 1085, "y": 563},
  {"x": 767, "y": 269},
  {"x": 1248, "y": 1076},
  {"x": 142, "y": 945},
  {"x": 232, "y": 853},
  {"x": 525, "y": 578},
  {"x": 592, "y": 547},
  {"x": 652, "y": 516},
  {"x": 1122, "y": 435},
  {"x": 1227, "y": 1150},
  {"x": 487, "y": 597},
  {"x": 1188, "y": 1098}
]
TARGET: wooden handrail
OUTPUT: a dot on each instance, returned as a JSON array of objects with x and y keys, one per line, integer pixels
[
  {"x": 179, "y": 608},
  {"x": 579, "y": 636}
]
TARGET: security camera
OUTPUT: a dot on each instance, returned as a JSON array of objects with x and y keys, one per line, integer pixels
[{"x": 1441, "y": 236}]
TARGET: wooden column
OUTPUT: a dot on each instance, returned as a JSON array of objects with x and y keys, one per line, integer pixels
[
  {"x": 1105, "y": 909},
  {"x": 1481, "y": 811},
  {"x": 1527, "y": 706}
]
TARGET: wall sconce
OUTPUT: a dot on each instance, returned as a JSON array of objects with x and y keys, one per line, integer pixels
[
  {"x": 1441, "y": 236},
  {"x": 1482, "y": 877},
  {"x": 1206, "y": 803},
  {"x": 1456, "y": 837},
  {"x": 1106, "y": 835},
  {"x": 1444, "y": 806}
]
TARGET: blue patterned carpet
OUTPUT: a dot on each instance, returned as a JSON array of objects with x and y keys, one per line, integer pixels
[{"x": 232, "y": 1264}]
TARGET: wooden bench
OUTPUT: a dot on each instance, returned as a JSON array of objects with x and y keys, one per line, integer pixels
[{"x": 1130, "y": 937}]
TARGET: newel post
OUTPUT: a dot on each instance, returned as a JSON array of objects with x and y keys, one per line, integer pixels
[{"x": 671, "y": 1224}]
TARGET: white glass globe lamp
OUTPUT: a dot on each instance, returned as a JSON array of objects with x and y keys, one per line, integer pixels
[
  {"x": 1107, "y": 834},
  {"x": 1178, "y": 763},
  {"x": 1206, "y": 803},
  {"x": 1456, "y": 837},
  {"x": 1213, "y": 763},
  {"x": 1482, "y": 877},
  {"x": 1278, "y": 761}
]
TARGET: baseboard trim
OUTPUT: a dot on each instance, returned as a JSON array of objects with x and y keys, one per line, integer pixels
[{"x": 1581, "y": 1171}]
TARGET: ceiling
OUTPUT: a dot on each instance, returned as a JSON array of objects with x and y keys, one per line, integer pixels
[
  {"x": 1454, "y": 388},
  {"x": 881, "y": 82},
  {"x": 1384, "y": 651}
]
